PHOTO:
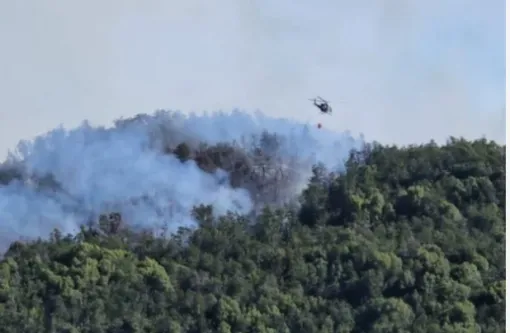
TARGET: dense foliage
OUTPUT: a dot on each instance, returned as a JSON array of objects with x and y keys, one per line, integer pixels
[{"x": 405, "y": 240}]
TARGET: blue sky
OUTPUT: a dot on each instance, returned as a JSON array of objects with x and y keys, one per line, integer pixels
[{"x": 397, "y": 70}]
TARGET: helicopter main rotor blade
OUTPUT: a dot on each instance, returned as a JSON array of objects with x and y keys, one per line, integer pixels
[{"x": 322, "y": 99}]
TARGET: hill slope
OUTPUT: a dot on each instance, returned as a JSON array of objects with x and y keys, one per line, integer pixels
[{"x": 405, "y": 240}]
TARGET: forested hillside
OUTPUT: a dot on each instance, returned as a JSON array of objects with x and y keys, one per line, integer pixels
[{"x": 407, "y": 239}]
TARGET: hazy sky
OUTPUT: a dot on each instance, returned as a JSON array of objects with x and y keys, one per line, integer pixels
[{"x": 397, "y": 70}]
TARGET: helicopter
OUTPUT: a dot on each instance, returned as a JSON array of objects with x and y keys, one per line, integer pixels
[{"x": 322, "y": 104}]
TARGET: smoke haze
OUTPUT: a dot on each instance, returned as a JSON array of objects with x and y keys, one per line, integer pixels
[{"x": 66, "y": 178}]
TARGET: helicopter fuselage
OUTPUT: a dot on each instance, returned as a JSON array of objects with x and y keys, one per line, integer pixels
[{"x": 324, "y": 108}]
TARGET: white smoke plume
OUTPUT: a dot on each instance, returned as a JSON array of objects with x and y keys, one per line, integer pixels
[{"x": 66, "y": 177}]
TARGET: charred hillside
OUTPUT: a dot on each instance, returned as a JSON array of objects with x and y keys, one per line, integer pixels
[{"x": 404, "y": 239}]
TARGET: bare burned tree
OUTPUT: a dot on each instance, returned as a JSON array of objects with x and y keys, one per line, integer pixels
[
  {"x": 260, "y": 166},
  {"x": 8, "y": 174},
  {"x": 281, "y": 169}
]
